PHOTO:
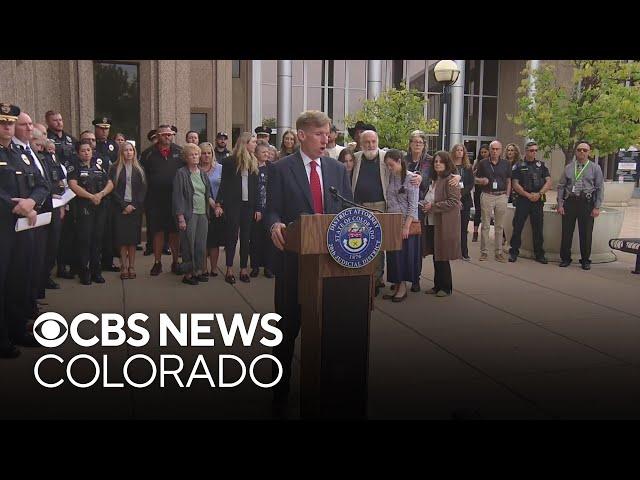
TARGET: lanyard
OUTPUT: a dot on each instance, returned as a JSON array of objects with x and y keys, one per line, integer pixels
[{"x": 575, "y": 170}]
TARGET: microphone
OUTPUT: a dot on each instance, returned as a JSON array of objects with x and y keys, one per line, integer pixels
[{"x": 334, "y": 191}]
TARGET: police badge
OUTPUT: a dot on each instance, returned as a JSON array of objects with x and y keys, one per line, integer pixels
[
  {"x": 25, "y": 159},
  {"x": 68, "y": 139},
  {"x": 538, "y": 164},
  {"x": 110, "y": 147},
  {"x": 99, "y": 163}
]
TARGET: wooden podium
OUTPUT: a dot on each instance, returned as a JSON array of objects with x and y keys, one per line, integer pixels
[{"x": 336, "y": 304}]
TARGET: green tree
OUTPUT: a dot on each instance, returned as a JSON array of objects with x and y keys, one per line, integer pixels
[
  {"x": 601, "y": 104},
  {"x": 395, "y": 114},
  {"x": 269, "y": 122}
]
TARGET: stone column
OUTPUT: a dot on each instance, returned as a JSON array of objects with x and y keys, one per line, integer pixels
[
  {"x": 374, "y": 78},
  {"x": 283, "y": 121},
  {"x": 456, "y": 108}
]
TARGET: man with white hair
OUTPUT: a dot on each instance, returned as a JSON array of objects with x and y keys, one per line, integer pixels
[
  {"x": 369, "y": 185},
  {"x": 493, "y": 175}
]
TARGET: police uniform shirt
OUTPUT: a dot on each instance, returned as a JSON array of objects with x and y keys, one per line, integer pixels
[
  {"x": 91, "y": 177},
  {"x": 530, "y": 175},
  {"x": 65, "y": 145},
  {"x": 19, "y": 178},
  {"x": 108, "y": 151},
  {"x": 221, "y": 155},
  {"x": 590, "y": 183}
]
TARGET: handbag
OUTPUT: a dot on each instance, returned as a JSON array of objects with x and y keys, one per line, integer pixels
[{"x": 415, "y": 228}]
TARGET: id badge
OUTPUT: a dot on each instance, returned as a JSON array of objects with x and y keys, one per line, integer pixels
[
  {"x": 495, "y": 185},
  {"x": 573, "y": 189},
  {"x": 461, "y": 185}
]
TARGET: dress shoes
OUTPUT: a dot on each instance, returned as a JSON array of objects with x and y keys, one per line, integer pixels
[
  {"x": 156, "y": 269},
  {"x": 97, "y": 278},
  {"x": 586, "y": 265},
  {"x": 513, "y": 257},
  {"x": 244, "y": 278},
  {"x": 399, "y": 299},
  {"x": 254, "y": 272},
  {"x": 268, "y": 273},
  {"x": 202, "y": 277},
  {"x": 190, "y": 281},
  {"x": 565, "y": 263},
  {"x": 415, "y": 287},
  {"x": 542, "y": 260}
]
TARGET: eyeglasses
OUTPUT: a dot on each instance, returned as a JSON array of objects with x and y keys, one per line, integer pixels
[
  {"x": 582, "y": 149},
  {"x": 417, "y": 142},
  {"x": 167, "y": 134}
]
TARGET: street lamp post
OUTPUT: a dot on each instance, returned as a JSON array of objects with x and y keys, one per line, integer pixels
[{"x": 446, "y": 73}]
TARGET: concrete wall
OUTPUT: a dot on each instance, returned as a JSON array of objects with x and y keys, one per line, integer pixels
[{"x": 240, "y": 88}]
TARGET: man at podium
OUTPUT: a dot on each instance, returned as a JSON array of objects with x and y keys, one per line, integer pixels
[{"x": 299, "y": 184}]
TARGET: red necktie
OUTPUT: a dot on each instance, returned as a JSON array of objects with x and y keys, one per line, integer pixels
[{"x": 316, "y": 190}]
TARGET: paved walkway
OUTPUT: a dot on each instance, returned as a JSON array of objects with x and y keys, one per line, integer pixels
[{"x": 519, "y": 340}]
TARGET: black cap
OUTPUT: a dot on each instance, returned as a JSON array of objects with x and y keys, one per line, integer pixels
[
  {"x": 262, "y": 129},
  {"x": 102, "y": 122},
  {"x": 222, "y": 134},
  {"x": 8, "y": 112},
  {"x": 360, "y": 125},
  {"x": 151, "y": 134}
]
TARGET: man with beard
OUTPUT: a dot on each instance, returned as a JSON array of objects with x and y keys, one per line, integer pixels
[
  {"x": 369, "y": 184},
  {"x": 221, "y": 151},
  {"x": 160, "y": 166},
  {"x": 65, "y": 143}
]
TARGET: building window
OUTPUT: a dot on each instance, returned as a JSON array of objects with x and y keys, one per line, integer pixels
[
  {"x": 117, "y": 96},
  {"x": 199, "y": 124},
  {"x": 337, "y": 87},
  {"x": 235, "y": 68},
  {"x": 480, "y": 103}
]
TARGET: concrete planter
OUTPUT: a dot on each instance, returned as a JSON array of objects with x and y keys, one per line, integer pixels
[
  {"x": 606, "y": 226},
  {"x": 617, "y": 194}
]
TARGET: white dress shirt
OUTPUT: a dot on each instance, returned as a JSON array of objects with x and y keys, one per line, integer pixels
[
  {"x": 307, "y": 161},
  {"x": 34, "y": 157}
]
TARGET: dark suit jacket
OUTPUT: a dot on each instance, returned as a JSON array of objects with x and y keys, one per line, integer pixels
[
  {"x": 138, "y": 188},
  {"x": 230, "y": 191},
  {"x": 289, "y": 193}
]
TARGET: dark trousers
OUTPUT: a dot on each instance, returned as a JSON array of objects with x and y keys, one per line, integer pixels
[
  {"x": 287, "y": 306},
  {"x": 67, "y": 248},
  {"x": 465, "y": 215},
  {"x": 261, "y": 250},
  {"x": 90, "y": 229},
  {"x": 16, "y": 250},
  {"x": 53, "y": 242},
  {"x": 39, "y": 253},
  {"x": 442, "y": 277},
  {"x": 533, "y": 210},
  {"x": 107, "y": 253},
  {"x": 577, "y": 208},
  {"x": 477, "y": 216},
  {"x": 149, "y": 243},
  {"x": 239, "y": 220}
]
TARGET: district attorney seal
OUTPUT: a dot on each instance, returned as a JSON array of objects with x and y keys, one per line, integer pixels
[{"x": 354, "y": 237}]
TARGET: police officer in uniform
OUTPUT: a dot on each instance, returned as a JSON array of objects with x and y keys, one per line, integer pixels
[
  {"x": 107, "y": 150},
  {"x": 89, "y": 182},
  {"x": 531, "y": 180},
  {"x": 263, "y": 133},
  {"x": 22, "y": 191},
  {"x": 65, "y": 143},
  {"x": 580, "y": 193}
]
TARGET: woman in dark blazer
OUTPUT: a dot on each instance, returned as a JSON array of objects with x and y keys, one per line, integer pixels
[
  {"x": 129, "y": 189},
  {"x": 461, "y": 161},
  {"x": 239, "y": 201}
]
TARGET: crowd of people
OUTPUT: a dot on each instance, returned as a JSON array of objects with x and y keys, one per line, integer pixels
[{"x": 201, "y": 196}]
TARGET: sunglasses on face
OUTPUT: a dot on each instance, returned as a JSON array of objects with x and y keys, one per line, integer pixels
[
  {"x": 166, "y": 134},
  {"x": 582, "y": 149}
]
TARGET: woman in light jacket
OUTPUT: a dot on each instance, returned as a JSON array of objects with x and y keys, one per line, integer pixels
[
  {"x": 191, "y": 205},
  {"x": 402, "y": 197},
  {"x": 443, "y": 232}
]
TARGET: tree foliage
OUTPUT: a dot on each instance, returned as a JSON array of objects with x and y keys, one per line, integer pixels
[
  {"x": 395, "y": 114},
  {"x": 601, "y": 104}
]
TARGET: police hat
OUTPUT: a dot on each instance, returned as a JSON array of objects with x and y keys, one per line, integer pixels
[
  {"x": 263, "y": 130},
  {"x": 151, "y": 134},
  {"x": 360, "y": 125},
  {"x": 102, "y": 122},
  {"x": 8, "y": 112},
  {"x": 222, "y": 135}
]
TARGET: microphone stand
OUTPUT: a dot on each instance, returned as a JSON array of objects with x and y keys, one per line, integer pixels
[{"x": 334, "y": 192}]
